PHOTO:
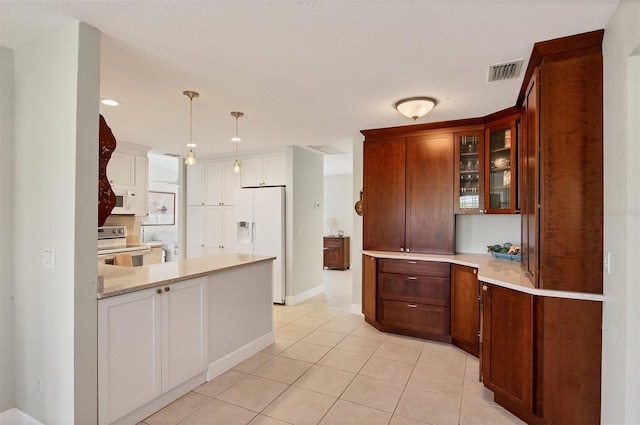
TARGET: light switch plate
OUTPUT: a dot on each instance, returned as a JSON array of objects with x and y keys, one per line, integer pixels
[{"x": 49, "y": 258}]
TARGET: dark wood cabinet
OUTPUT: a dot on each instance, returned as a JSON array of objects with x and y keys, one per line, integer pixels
[
  {"x": 507, "y": 348},
  {"x": 413, "y": 298},
  {"x": 408, "y": 193},
  {"x": 465, "y": 309},
  {"x": 500, "y": 172},
  {"x": 561, "y": 104},
  {"x": 336, "y": 252},
  {"x": 469, "y": 171},
  {"x": 369, "y": 289},
  {"x": 541, "y": 356}
]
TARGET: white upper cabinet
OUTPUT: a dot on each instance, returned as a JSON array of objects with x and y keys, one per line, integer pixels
[
  {"x": 128, "y": 172},
  {"x": 211, "y": 183},
  {"x": 121, "y": 170},
  {"x": 265, "y": 171}
]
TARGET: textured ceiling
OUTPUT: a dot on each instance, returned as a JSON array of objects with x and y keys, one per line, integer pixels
[{"x": 303, "y": 72}]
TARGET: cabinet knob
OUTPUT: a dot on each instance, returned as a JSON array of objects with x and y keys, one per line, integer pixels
[
  {"x": 158, "y": 291},
  {"x": 167, "y": 289},
  {"x": 412, "y": 305},
  {"x": 412, "y": 278},
  {"x": 475, "y": 271},
  {"x": 485, "y": 288}
]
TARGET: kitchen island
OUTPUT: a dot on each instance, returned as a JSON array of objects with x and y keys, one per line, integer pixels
[{"x": 165, "y": 329}]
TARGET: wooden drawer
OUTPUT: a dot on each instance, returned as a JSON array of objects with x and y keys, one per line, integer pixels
[
  {"x": 333, "y": 242},
  {"x": 414, "y": 289},
  {"x": 413, "y": 267},
  {"x": 414, "y": 319}
]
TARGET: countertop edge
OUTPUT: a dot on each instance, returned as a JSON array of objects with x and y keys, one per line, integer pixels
[
  {"x": 170, "y": 280},
  {"x": 476, "y": 261}
]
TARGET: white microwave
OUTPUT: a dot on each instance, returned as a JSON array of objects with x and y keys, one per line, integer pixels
[{"x": 126, "y": 201}]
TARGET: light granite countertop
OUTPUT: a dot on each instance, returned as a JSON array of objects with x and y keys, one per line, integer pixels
[
  {"x": 492, "y": 270},
  {"x": 117, "y": 280}
]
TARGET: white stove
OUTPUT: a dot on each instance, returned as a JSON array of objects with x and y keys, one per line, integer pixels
[{"x": 112, "y": 240}]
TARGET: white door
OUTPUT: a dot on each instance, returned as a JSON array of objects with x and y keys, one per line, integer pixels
[
  {"x": 195, "y": 231},
  {"x": 269, "y": 233},
  {"x": 129, "y": 353},
  {"x": 185, "y": 321}
]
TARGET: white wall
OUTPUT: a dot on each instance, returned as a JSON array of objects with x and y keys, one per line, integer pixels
[
  {"x": 338, "y": 205},
  {"x": 55, "y": 207},
  {"x": 6, "y": 228},
  {"x": 304, "y": 222},
  {"x": 621, "y": 315},
  {"x": 474, "y": 232}
]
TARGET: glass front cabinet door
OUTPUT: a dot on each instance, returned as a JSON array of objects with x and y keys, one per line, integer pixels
[
  {"x": 501, "y": 165},
  {"x": 469, "y": 154}
]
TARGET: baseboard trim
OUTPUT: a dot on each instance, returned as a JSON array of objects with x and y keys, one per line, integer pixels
[
  {"x": 297, "y": 299},
  {"x": 225, "y": 363},
  {"x": 356, "y": 309},
  {"x": 15, "y": 416}
]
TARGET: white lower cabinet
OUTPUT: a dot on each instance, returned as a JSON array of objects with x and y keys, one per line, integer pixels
[{"x": 150, "y": 342}]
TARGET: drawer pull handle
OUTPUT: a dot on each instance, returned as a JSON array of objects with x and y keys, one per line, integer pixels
[
  {"x": 412, "y": 262},
  {"x": 412, "y": 278},
  {"x": 412, "y": 305}
]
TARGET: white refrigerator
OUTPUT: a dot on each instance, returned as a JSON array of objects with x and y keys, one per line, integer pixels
[{"x": 260, "y": 224}]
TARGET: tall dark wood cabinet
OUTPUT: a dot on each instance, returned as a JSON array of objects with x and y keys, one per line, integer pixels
[
  {"x": 562, "y": 223},
  {"x": 408, "y": 192}
]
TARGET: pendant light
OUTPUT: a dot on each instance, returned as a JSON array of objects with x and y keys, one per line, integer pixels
[
  {"x": 191, "y": 157},
  {"x": 236, "y": 140}
]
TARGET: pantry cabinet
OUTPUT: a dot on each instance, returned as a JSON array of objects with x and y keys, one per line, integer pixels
[
  {"x": 562, "y": 222},
  {"x": 408, "y": 193},
  {"x": 211, "y": 183},
  {"x": 210, "y": 230},
  {"x": 149, "y": 342},
  {"x": 465, "y": 308}
]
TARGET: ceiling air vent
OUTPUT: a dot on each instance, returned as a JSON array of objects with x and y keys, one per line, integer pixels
[{"x": 505, "y": 71}]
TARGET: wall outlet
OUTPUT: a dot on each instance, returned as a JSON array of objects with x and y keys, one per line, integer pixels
[{"x": 39, "y": 386}]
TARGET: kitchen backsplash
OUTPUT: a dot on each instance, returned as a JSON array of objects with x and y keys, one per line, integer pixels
[
  {"x": 474, "y": 232},
  {"x": 130, "y": 222}
]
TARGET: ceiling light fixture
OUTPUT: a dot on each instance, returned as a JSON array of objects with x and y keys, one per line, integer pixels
[
  {"x": 109, "y": 102},
  {"x": 236, "y": 140},
  {"x": 191, "y": 157},
  {"x": 415, "y": 107}
]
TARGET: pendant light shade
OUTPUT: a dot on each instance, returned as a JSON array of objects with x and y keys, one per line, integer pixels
[
  {"x": 191, "y": 157},
  {"x": 236, "y": 140},
  {"x": 415, "y": 107}
]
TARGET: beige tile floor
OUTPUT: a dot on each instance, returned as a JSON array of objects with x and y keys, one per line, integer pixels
[{"x": 329, "y": 367}]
